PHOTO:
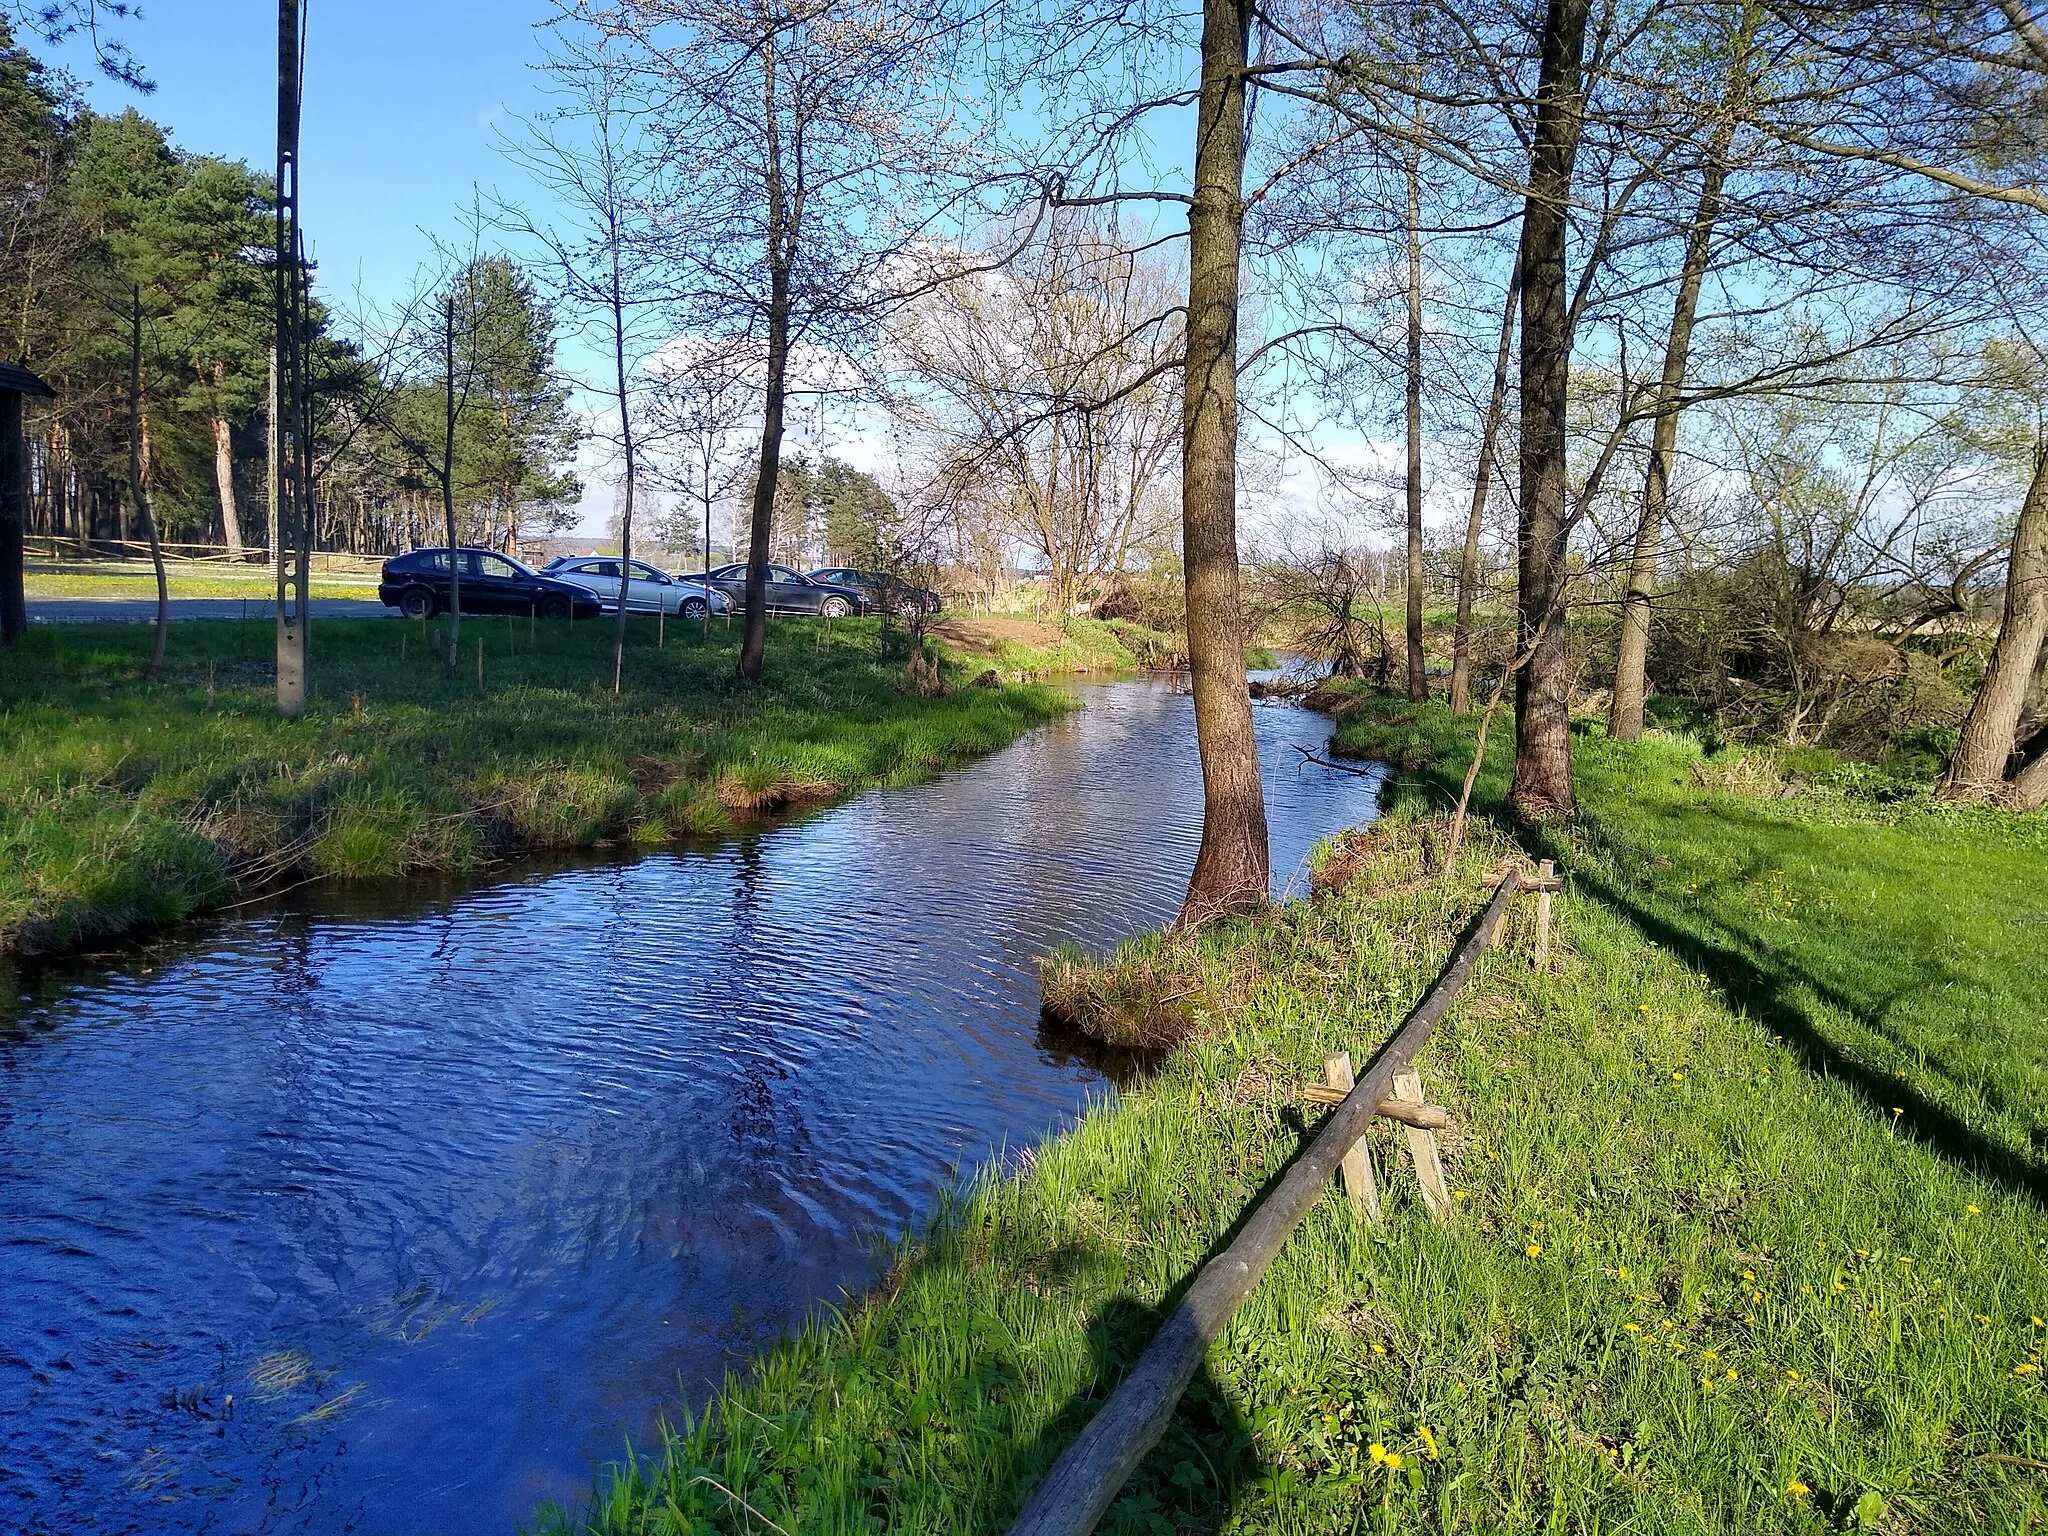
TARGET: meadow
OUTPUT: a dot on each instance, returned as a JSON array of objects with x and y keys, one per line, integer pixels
[
  {"x": 127, "y": 804},
  {"x": 1748, "y": 1188}
]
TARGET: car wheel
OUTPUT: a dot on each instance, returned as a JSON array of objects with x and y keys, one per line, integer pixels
[
  {"x": 554, "y": 606},
  {"x": 693, "y": 608},
  {"x": 417, "y": 603},
  {"x": 835, "y": 608}
]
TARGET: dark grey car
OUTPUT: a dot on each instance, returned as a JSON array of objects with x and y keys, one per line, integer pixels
[{"x": 791, "y": 592}]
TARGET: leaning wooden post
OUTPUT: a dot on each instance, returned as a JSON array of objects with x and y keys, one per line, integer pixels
[
  {"x": 1546, "y": 875},
  {"x": 1088, "y": 1476},
  {"x": 1360, "y": 1188},
  {"x": 1422, "y": 1148}
]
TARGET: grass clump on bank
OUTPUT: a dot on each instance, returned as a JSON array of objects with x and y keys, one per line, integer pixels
[
  {"x": 125, "y": 804},
  {"x": 1699, "y": 1280}
]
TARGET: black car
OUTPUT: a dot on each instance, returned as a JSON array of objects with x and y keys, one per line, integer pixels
[
  {"x": 791, "y": 592},
  {"x": 416, "y": 584},
  {"x": 881, "y": 589}
]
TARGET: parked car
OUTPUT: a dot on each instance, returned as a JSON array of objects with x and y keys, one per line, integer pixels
[
  {"x": 882, "y": 589},
  {"x": 416, "y": 584},
  {"x": 791, "y": 592},
  {"x": 647, "y": 590}
]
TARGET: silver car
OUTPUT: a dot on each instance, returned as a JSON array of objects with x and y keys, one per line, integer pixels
[{"x": 647, "y": 590}]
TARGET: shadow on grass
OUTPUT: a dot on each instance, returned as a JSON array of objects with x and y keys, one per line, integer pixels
[
  {"x": 1190, "y": 1480},
  {"x": 1761, "y": 992}
]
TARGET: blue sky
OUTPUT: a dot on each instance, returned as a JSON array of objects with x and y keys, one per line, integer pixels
[{"x": 401, "y": 96}]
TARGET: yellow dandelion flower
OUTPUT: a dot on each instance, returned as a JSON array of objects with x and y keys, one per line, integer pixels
[
  {"x": 1791, "y": 1375},
  {"x": 1535, "y": 1250},
  {"x": 1678, "y": 1077},
  {"x": 1749, "y": 1274},
  {"x": 1669, "y": 1324},
  {"x": 2028, "y": 1369},
  {"x": 1797, "y": 1489},
  {"x": 1905, "y": 1258},
  {"x": 1709, "y": 1355},
  {"x": 1430, "y": 1440},
  {"x": 2039, "y": 1324},
  {"x": 1379, "y": 1349},
  {"x": 1839, "y": 1287},
  {"x": 1459, "y": 1194},
  {"x": 1806, "y": 1290},
  {"x": 1983, "y": 1319},
  {"x": 1622, "y": 1273},
  {"x": 1973, "y": 1210},
  {"x": 1756, "y": 1295},
  {"x": 1731, "y": 1373},
  {"x": 1393, "y": 1461},
  {"x": 1379, "y": 1452},
  {"x": 1633, "y": 1327}
]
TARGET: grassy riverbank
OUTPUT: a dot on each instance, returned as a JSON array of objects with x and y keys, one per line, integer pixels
[
  {"x": 1749, "y": 1236},
  {"x": 125, "y": 805}
]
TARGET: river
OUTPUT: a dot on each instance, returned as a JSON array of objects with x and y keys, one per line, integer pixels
[{"x": 398, "y": 1210}]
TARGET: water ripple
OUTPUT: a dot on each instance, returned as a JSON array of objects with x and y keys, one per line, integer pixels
[{"x": 398, "y": 1211}]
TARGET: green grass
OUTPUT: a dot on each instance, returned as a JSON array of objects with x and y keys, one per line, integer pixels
[
  {"x": 1749, "y": 1187},
  {"x": 253, "y": 582},
  {"x": 125, "y": 805}
]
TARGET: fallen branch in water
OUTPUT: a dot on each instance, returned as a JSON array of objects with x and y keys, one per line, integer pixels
[{"x": 1324, "y": 762}]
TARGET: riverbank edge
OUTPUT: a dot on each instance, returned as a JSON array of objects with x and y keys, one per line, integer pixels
[
  {"x": 1396, "y": 1369},
  {"x": 196, "y": 854}
]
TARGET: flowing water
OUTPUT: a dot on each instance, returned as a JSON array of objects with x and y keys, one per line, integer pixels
[{"x": 399, "y": 1213}]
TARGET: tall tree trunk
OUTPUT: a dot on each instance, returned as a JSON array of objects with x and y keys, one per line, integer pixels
[
  {"x": 1482, "y": 484},
  {"x": 618, "y": 304},
  {"x": 754, "y": 634},
  {"x": 13, "y": 500},
  {"x": 1631, "y": 663},
  {"x": 1418, "y": 671},
  {"x": 1977, "y": 771},
  {"x": 224, "y": 471},
  {"x": 1543, "y": 737},
  {"x": 1233, "y": 870},
  {"x": 448, "y": 485},
  {"x": 156, "y": 549}
]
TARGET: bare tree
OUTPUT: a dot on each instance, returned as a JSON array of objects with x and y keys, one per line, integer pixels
[
  {"x": 590, "y": 154},
  {"x": 805, "y": 145},
  {"x": 700, "y": 409},
  {"x": 1046, "y": 396}
]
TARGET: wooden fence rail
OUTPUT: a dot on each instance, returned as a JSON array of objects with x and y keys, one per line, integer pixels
[
  {"x": 44, "y": 546},
  {"x": 1092, "y": 1471}
]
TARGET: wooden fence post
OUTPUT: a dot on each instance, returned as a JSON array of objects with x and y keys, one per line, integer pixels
[
  {"x": 1429, "y": 1166},
  {"x": 1359, "y": 1185},
  {"x": 1546, "y": 873}
]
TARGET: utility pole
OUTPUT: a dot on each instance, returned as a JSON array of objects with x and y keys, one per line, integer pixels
[{"x": 292, "y": 545}]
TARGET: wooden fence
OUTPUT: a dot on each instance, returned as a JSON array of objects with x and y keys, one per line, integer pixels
[
  {"x": 57, "y": 548},
  {"x": 1092, "y": 1471}
]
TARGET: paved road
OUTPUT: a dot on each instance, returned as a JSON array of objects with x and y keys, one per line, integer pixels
[{"x": 75, "y": 610}]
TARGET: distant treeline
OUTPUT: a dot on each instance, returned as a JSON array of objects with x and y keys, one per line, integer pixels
[{"x": 102, "y": 216}]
